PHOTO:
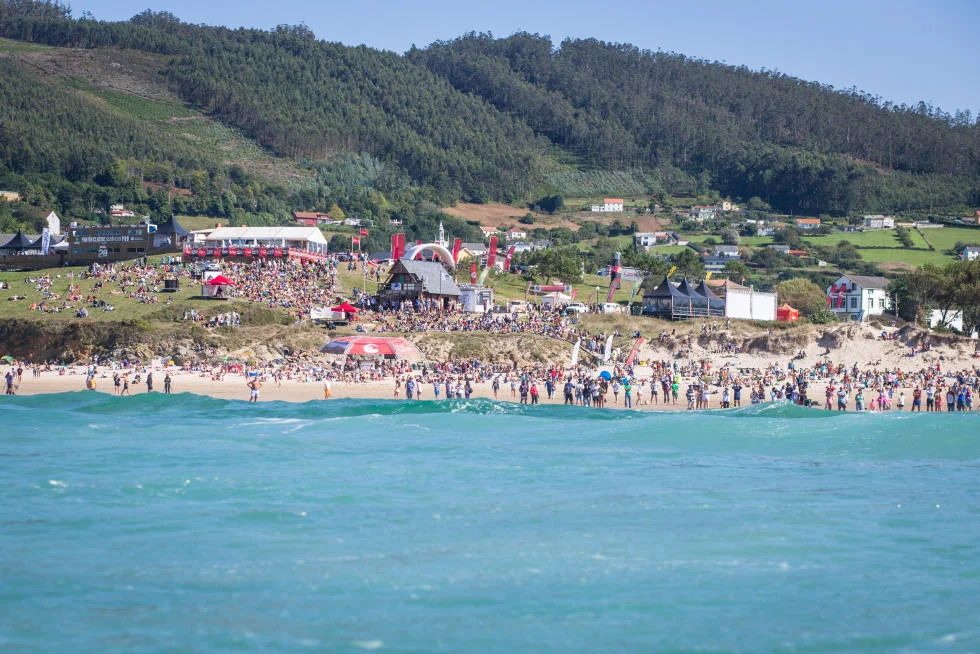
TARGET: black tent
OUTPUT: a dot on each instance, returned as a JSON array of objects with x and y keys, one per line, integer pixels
[
  {"x": 699, "y": 303},
  {"x": 666, "y": 301},
  {"x": 17, "y": 243},
  {"x": 172, "y": 227},
  {"x": 716, "y": 304}
]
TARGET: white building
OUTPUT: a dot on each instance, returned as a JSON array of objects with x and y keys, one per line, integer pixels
[
  {"x": 727, "y": 251},
  {"x": 516, "y": 235},
  {"x": 879, "y": 221},
  {"x": 645, "y": 239},
  {"x": 970, "y": 253},
  {"x": 54, "y": 223},
  {"x": 609, "y": 205},
  {"x": 859, "y": 297},
  {"x": 308, "y": 239},
  {"x": 701, "y": 213}
]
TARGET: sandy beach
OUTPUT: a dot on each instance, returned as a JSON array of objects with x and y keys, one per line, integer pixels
[{"x": 861, "y": 346}]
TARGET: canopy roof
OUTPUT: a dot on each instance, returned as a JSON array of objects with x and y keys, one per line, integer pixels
[
  {"x": 372, "y": 346},
  {"x": 219, "y": 280},
  {"x": 686, "y": 288},
  {"x": 18, "y": 242},
  {"x": 346, "y": 307},
  {"x": 666, "y": 290},
  {"x": 713, "y": 300},
  {"x": 172, "y": 227}
]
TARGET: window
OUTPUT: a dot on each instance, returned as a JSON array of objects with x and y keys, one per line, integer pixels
[
  {"x": 881, "y": 303},
  {"x": 854, "y": 303}
]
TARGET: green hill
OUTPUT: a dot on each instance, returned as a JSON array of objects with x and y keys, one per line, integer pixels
[{"x": 249, "y": 124}]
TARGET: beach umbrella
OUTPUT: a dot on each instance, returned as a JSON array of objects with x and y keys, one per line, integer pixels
[
  {"x": 7, "y": 358},
  {"x": 605, "y": 375}
]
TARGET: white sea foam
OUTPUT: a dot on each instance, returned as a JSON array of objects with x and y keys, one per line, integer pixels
[
  {"x": 57, "y": 484},
  {"x": 368, "y": 644}
]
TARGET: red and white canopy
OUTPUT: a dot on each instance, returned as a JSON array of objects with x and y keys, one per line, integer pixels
[{"x": 372, "y": 346}]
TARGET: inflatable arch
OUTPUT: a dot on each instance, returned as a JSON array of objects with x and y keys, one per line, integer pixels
[{"x": 444, "y": 254}]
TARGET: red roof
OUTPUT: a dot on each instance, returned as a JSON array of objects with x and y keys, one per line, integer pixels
[
  {"x": 808, "y": 221},
  {"x": 612, "y": 201}
]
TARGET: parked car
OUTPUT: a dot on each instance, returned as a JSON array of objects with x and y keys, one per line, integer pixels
[{"x": 577, "y": 307}]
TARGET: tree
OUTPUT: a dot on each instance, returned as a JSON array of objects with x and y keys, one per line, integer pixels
[
  {"x": 688, "y": 264},
  {"x": 802, "y": 294}
]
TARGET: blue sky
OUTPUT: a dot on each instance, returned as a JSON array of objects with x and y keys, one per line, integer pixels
[{"x": 900, "y": 50}]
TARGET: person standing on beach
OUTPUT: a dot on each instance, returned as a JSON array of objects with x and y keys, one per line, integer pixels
[
  {"x": 167, "y": 381},
  {"x": 409, "y": 389},
  {"x": 916, "y": 400},
  {"x": 116, "y": 383},
  {"x": 495, "y": 386},
  {"x": 627, "y": 393},
  {"x": 254, "y": 386},
  {"x": 149, "y": 382},
  {"x": 326, "y": 389},
  {"x": 125, "y": 388},
  {"x": 9, "y": 378}
]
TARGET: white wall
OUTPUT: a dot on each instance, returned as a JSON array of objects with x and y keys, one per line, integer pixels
[{"x": 750, "y": 305}]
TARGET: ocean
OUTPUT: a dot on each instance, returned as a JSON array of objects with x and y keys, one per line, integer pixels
[{"x": 185, "y": 523}]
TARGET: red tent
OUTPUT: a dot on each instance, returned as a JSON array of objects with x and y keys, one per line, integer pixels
[
  {"x": 786, "y": 313},
  {"x": 345, "y": 307},
  {"x": 219, "y": 280}
]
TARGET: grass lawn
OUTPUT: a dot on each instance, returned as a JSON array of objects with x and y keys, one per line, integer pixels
[
  {"x": 946, "y": 237},
  {"x": 125, "y": 308},
  {"x": 912, "y": 257},
  {"x": 878, "y": 238}
]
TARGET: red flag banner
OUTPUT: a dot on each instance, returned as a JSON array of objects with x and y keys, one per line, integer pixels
[
  {"x": 187, "y": 251},
  {"x": 473, "y": 273},
  {"x": 457, "y": 244},
  {"x": 364, "y": 232},
  {"x": 232, "y": 252},
  {"x": 401, "y": 245},
  {"x": 510, "y": 256},
  {"x": 201, "y": 252},
  {"x": 354, "y": 240},
  {"x": 247, "y": 252},
  {"x": 394, "y": 247},
  {"x": 492, "y": 254},
  {"x": 277, "y": 252},
  {"x": 263, "y": 252},
  {"x": 636, "y": 349}
]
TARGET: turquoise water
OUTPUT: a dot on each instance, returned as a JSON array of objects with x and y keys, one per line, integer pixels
[{"x": 188, "y": 523}]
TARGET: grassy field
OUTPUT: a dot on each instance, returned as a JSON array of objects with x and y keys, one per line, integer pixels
[
  {"x": 10, "y": 46},
  {"x": 878, "y": 238},
  {"x": 125, "y": 308},
  {"x": 912, "y": 257},
  {"x": 945, "y": 238}
]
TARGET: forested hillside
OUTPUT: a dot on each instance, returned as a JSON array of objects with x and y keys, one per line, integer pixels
[
  {"x": 474, "y": 119},
  {"x": 800, "y": 145}
]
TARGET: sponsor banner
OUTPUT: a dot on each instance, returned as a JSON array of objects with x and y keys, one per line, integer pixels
[
  {"x": 492, "y": 254},
  {"x": 510, "y": 256},
  {"x": 394, "y": 246},
  {"x": 247, "y": 252},
  {"x": 233, "y": 252},
  {"x": 364, "y": 232},
  {"x": 263, "y": 252},
  {"x": 201, "y": 252},
  {"x": 473, "y": 273},
  {"x": 635, "y": 351},
  {"x": 457, "y": 244},
  {"x": 187, "y": 251},
  {"x": 277, "y": 252}
]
